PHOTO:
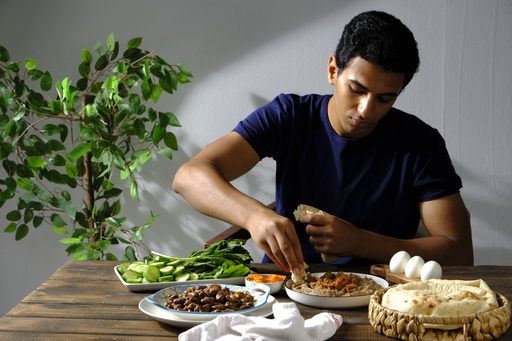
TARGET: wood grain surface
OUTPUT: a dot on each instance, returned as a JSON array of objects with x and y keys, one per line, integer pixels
[
  {"x": 85, "y": 300},
  {"x": 382, "y": 270}
]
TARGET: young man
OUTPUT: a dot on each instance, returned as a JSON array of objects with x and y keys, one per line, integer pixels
[{"x": 375, "y": 169}]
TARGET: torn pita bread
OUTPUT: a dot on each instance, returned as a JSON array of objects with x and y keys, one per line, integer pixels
[
  {"x": 301, "y": 276},
  {"x": 306, "y": 209}
]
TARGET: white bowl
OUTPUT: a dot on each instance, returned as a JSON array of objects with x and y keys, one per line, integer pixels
[
  {"x": 275, "y": 287},
  {"x": 333, "y": 302}
]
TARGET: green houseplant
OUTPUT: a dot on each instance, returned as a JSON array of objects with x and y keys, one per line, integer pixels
[{"x": 62, "y": 152}]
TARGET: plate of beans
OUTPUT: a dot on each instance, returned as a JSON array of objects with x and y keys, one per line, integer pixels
[{"x": 206, "y": 301}]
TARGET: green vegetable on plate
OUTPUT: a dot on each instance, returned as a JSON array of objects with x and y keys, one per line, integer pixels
[{"x": 223, "y": 259}]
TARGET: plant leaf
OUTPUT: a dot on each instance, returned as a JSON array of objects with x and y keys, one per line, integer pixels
[
  {"x": 79, "y": 256},
  {"x": 11, "y": 228},
  {"x": 35, "y": 74},
  {"x": 146, "y": 89},
  {"x": 28, "y": 216},
  {"x": 55, "y": 145},
  {"x": 68, "y": 206},
  {"x": 70, "y": 240},
  {"x": 86, "y": 57},
  {"x": 57, "y": 220},
  {"x": 4, "y": 54},
  {"x": 37, "y": 221},
  {"x": 129, "y": 253},
  {"x": 75, "y": 248},
  {"x": 156, "y": 91},
  {"x": 134, "y": 42},
  {"x": 57, "y": 159},
  {"x": 101, "y": 63},
  {"x": 104, "y": 244},
  {"x": 14, "y": 215},
  {"x": 97, "y": 47},
  {"x": 44, "y": 196},
  {"x": 36, "y": 162},
  {"x": 21, "y": 232},
  {"x": 110, "y": 83},
  {"x": 46, "y": 81},
  {"x": 134, "y": 191},
  {"x": 170, "y": 140},
  {"x": 71, "y": 170},
  {"x": 51, "y": 129},
  {"x": 78, "y": 151},
  {"x": 111, "y": 256},
  {"x": 59, "y": 230},
  {"x": 158, "y": 133},
  {"x": 185, "y": 70},
  {"x": 111, "y": 42},
  {"x": 173, "y": 120},
  {"x": 30, "y": 64},
  {"x": 167, "y": 152},
  {"x": 26, "y": 184}
]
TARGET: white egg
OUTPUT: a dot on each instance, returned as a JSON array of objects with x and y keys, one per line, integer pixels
[
  {"x": 413, "y": 267},
  {"x": 398, "y": 262},
  {"x": 431, "y": 269}
]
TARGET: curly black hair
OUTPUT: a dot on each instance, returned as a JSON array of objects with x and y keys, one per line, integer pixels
[{"x": 382, "y": 40}]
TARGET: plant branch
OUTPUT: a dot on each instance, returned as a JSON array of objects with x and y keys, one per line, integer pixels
[{"x": 88, "y": 177}]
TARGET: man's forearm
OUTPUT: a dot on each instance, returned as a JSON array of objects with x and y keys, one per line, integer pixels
[{"x": 209, "y": 193}]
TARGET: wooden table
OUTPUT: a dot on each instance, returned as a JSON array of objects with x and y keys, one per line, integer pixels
[{"x": 85, "y": 300}]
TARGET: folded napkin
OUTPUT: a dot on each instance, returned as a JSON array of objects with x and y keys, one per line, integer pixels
[{"x": 288, "y": 324}]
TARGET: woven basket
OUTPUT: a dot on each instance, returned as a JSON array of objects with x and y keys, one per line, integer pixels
[{"x": 483, "y": 326}]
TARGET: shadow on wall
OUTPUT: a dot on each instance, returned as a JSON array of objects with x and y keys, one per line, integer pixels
[
  {"x": 209, "y": 45},
  {"x": 487, "y": 211},
  {"x": 218, "y": 36},
  {"x": 176, "y": 217}
]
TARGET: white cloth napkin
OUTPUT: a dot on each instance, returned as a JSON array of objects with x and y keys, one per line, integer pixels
[{"x": 287, "y": 325}]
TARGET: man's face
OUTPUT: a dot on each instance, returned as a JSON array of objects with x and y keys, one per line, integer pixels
[{"x": 362, "y": 96}]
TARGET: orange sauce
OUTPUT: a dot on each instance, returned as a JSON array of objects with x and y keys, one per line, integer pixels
[{"x": 265, "y": 279}]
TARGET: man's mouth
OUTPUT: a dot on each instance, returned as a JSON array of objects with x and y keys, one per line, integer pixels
[{"x": 358, "y": 123}]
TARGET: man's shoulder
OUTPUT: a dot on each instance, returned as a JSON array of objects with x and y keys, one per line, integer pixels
[
  {"x": 308, "y": 99},
  {"x": 406, "y": 122},
  {"x": 296, "y": 107},
  {"x": 410, "y": 132}
]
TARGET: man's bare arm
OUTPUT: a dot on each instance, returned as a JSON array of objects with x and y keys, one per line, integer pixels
[
  {"x": 204, "y": 182},
  {"x": 446, "y": 220}
]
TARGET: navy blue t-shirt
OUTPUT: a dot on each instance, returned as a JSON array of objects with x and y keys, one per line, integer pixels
[{"x": 375, "y": 182}]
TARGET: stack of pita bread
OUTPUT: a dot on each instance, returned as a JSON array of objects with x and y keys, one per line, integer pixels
[
  {"x": 438, "y": 297},
  {"x": 440, "y": 309}
]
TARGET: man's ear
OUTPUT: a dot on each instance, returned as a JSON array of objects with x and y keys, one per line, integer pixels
[{"x": 332, "y": 70}]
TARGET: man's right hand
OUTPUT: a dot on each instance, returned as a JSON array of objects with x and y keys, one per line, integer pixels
[
  {"x": 204, "y": 182},
  {"x": 277, "y": 237}
]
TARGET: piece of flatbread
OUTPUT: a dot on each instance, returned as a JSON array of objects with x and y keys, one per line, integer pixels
[
  {"x": 441, "y": 298},
  {"x": 301, "y": 276},
  {"x": 306, "y": 209}
]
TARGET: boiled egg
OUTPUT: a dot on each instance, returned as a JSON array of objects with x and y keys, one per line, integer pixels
[
  {"x": 398, "y": 262},
  {"x": 413, "y": 267},
  {"x": 431, "y": 269}
]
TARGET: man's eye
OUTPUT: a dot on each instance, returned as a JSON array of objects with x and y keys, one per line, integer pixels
[
  {"x": 355, "y": 91},
  {"x": 384, "y": 100}
]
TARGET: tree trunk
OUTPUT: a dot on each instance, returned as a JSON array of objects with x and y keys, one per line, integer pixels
[{"x": 88, "y": 180}]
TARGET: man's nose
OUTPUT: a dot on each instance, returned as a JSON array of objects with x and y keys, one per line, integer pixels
[{"x": 366, "y": 106}]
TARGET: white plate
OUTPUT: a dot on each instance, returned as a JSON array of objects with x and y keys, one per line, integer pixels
[
  {"x": 260, "y": 292},
  {"x": 167, "y": 317},
  {"x": 161, "y": 285},
  {"x": 333, "y": 302}
]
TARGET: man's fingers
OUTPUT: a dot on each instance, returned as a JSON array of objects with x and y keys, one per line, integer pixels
[{"x": 292, "y": 252}]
